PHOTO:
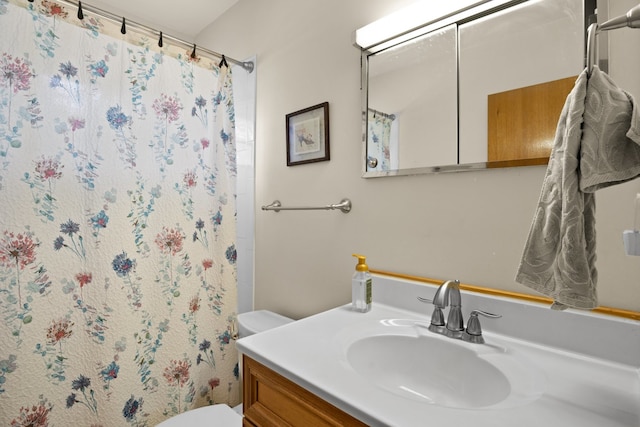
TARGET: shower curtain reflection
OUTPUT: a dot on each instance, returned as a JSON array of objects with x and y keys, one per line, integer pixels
[{"x": 382, "y": 141}]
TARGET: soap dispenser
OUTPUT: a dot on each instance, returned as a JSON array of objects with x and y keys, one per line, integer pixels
[{"x": 361, "y": 286}]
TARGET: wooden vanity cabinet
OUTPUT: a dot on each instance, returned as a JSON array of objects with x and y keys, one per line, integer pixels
[{"x": 270, "y": 400}]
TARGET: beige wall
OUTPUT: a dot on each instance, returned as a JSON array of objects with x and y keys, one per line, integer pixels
[{"x": 469, "y": 226}]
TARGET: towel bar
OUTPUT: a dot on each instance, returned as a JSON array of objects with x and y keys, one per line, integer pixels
[
  {"x": 344, "y": 206},
  {"x": 631, "y": 19}
]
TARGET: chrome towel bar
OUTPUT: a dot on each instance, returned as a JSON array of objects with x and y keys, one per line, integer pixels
[
  {"x": 344, "y": 206},
  {"x": 631, "y": 19}
]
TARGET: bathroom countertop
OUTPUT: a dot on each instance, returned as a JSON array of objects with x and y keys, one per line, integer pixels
[{"x": 577, "y": 388}]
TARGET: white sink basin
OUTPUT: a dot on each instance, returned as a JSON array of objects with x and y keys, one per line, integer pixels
[
  {"x": 404, "y": 358},
  {"x": 429, "y": 370}
]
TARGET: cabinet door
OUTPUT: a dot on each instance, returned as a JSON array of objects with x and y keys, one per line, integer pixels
[
  {"x": 270, "y": 400},
  {"x": 525, "y": 45},
  {"x": 414, "y": 84}
]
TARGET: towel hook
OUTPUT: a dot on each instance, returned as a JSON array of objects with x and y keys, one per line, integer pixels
[
  {"x": 592, "y": 32},
  {"x": 631, "y": 19}
]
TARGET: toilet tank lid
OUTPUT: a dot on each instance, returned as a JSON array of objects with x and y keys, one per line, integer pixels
[{"x": 253, "y": 322}]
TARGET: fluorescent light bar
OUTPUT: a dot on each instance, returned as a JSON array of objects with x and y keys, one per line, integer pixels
[{"x": 409, "y": 18}]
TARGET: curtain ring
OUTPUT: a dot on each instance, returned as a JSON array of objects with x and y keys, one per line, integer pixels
[
  {"x": 160, "y": 43},
  {"x": 193, "y": 52},
  {"x": 80, "y": 14},
  {"x": 123, "y": 29}
]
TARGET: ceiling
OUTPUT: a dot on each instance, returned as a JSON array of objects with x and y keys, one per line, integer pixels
[{"x": 184, "y": 18}]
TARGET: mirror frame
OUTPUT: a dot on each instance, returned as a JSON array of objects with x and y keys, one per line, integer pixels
[{"x": 473, "y": 12}]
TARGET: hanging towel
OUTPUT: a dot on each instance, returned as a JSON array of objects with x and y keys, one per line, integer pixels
[{"x": 597, "y": 144}]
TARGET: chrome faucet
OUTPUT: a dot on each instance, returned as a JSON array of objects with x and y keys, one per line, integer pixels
[{"x": 448, "y": 294}]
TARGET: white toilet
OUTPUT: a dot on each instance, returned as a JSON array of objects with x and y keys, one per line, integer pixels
[
  {"x": 249, "y": 323},
  {"x": 221, "y": 414}
]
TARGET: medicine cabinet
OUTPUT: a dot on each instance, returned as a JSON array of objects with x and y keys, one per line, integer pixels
[{"x": 426, "y": 91}]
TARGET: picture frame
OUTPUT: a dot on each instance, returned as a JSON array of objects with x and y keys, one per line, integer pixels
[{"x": 308, "y": 135}]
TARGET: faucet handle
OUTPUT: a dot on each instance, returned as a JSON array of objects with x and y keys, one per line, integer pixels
[
  {"x": 485, "y": 314},
  {"x": 437, "y": 324},
  {"x": 425, "y": 300},
  {"x": 437, "y": 317},
  {"x": 473, "y": 333}
]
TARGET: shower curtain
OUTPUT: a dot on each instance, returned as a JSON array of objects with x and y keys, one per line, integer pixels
[{"x": 117, "y": 224}]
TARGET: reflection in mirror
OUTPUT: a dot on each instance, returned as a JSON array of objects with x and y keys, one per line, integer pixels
[
  {"x": 382, "y": 142},
  {"x": 437, "y": 81},
  {"x": 508, "y": 51},
  {"x": 412, "y": 97}
]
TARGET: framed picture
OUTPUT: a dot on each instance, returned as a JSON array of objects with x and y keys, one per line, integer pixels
[{"x": 308, "y": 135}]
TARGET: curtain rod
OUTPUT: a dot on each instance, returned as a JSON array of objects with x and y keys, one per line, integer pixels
[
  {"x": 247, "y": 65},
  {"x": 380, "y": 113}
]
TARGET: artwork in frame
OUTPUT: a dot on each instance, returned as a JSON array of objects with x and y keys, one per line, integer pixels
[{"x": 308, "y": 135}]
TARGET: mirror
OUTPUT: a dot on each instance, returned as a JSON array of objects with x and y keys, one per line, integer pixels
[
  {"x": 396, "y": 108},
  {"x": 479, "y": 81}
]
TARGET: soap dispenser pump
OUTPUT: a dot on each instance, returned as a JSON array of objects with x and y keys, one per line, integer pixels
[{"x": 361, "y": 286}]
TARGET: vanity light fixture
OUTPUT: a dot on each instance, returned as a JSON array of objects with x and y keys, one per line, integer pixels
[{"x": 408, "y": 19}]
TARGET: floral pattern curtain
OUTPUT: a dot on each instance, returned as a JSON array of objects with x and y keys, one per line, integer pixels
[{"x": 117, "y": 224}]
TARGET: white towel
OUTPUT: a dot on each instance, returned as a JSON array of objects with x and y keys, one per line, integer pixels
[{"x": 597, "y": 144}]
